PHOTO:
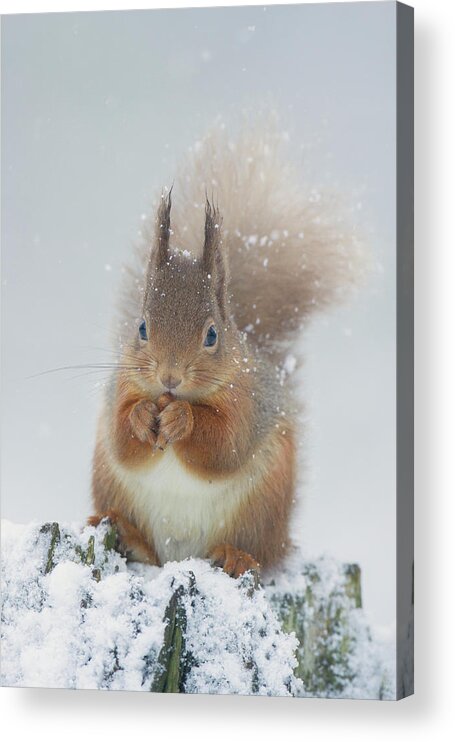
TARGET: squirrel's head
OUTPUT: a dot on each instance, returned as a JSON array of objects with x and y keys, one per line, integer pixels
[{"x": 185, "y": 338}]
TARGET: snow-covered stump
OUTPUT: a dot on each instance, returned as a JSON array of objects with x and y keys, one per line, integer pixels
[{"x": 75, "y": 615}]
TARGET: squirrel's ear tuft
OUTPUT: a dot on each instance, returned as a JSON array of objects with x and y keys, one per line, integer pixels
[
  {"x": 213, "y": 257},
  {"x": 212, "y": 233},
  {"x": 163, "y": 228}
]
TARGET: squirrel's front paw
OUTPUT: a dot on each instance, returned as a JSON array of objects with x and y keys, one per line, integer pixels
[
  {"x": 175, "y": 423},
  {"x": 143, "y": 421}
]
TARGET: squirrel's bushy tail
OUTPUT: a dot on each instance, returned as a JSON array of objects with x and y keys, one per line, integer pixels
[{"x": 291, "y": 251}]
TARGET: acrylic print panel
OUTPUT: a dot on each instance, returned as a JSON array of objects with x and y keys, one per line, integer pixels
[{"x": 207, "y": 350}]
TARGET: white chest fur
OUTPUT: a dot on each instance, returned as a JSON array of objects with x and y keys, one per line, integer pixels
[{"x": 185, "y": 513}]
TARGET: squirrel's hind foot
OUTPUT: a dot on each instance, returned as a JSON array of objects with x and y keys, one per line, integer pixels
[{"x": 233, "y": 561}]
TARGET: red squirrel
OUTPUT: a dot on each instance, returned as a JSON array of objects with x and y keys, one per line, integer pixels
[{"x": 196, "y": 445}]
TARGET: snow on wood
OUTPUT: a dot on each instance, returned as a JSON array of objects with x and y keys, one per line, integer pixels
[{"x": 76, "y": 615}]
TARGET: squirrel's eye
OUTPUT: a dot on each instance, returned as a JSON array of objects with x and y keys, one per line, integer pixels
[
  {"x": 143, "y": 330},
  {"x": 211, "y": 337}
]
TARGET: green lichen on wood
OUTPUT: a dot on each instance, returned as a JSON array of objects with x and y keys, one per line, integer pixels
[
  {"x": 248, "y": 583},
  {"x": 321, "y": 624},
  {"x": 111, "y": 538},
  {"x": 53, "y": 530},
  {"x": 171, "y": 672},
  {"x": 52, "y": 533},
  {"x": 353, "y": 583},
  {"x": 90, "y": 553}
]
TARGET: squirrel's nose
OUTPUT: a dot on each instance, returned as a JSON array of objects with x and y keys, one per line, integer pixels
[{"x": 170, "y": 381}]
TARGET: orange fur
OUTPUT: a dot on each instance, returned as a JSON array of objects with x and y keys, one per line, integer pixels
[
  {"x": 259, "y": 527},
  {"x": 261, "y": 524}
]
